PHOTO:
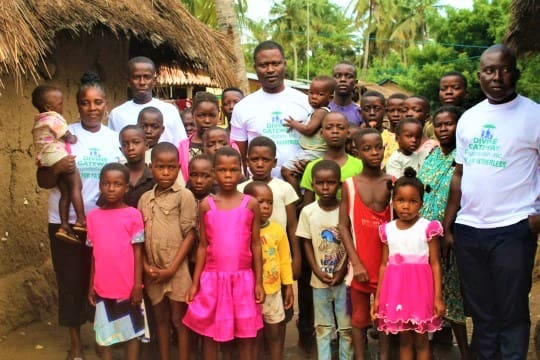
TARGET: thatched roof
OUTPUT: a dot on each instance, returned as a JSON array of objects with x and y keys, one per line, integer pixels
[
  {"x": 522, "y": 33},
  {"x": 28, "y": 27},
  {"x": 173, "y": 75}
]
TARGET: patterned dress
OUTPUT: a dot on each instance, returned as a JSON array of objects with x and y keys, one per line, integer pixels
[{"x": 437, "y": 172}]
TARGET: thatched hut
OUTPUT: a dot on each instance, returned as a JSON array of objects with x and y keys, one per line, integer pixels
[
  {"x": 55, "y": 41},
  {"x": 522, "y": 34}
]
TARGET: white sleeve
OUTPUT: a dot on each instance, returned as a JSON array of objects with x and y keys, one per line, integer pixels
[{"x": 238, "y": 131}]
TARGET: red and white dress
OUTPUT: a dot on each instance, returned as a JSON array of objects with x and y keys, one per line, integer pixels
[{"x": 407, "y": 292}]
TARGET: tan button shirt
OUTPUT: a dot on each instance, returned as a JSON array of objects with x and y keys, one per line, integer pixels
[{"x": 167, "y": 219}]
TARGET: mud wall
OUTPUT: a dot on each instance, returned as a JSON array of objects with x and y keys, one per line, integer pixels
[{"x": 27, "y": 282}]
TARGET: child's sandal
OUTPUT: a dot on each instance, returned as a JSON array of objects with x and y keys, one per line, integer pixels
[
  {"x": 64, "y": 235},
  {"x": 78, "y": 227}
]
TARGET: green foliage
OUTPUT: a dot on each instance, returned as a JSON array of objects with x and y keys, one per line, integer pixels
[{"x": 528, "y": 84}]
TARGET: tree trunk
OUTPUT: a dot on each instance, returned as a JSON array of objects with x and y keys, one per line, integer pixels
[{"x": 226, "y": 18}]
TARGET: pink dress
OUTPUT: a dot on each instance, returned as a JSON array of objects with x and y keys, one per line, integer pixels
[
  {"x": 225, "y": 307},
  {"x": 407, "y": 295}
]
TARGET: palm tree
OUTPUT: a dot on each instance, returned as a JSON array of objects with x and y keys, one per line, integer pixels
[{"x": 225, "y": 16}]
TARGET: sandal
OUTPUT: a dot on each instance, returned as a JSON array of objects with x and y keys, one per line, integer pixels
[
  {"x": 78, "y": 227},
  {"x": 64, "y": 235}
]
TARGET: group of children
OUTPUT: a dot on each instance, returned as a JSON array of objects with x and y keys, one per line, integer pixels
[{"x": 218, "y": 256}]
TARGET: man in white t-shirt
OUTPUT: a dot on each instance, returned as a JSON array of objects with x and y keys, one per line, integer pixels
[
  {"x": 141, "y": 81},
  {"x": 263, "y": 112},
  {"x": 496, "y": 186}
]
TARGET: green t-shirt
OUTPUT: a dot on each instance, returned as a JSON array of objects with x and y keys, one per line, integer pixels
[{"x": 353, "y": 166}]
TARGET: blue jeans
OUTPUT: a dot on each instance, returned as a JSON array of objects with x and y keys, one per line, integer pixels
[
  {"x": 326, "y": 303},
  {"x": 495, "y": 268}
]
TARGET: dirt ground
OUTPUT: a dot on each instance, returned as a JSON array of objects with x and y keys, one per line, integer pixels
[{"x": 47, "y": 341}]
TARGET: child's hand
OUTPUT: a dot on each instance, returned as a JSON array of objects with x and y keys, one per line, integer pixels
[
  {"x": 66, "y": 165},
  {"x": 339, "y": 276},
  {"x": 374, "y": 309},
  {"x": 360, "y": 273},
  {"x": 163, "y": 275},
  {"x": 151, "y": 271},
  {"x": 289, "y": 297},
  {"x": 92, "y": 297},
  {"x": 71, "y": 139},
  {"x": 193, "y": 290},
  {"x": 290, "y": 123},
  {"x": 439, "y": 308},
  {"x": 324, "y": 277},
  {"x": 259, "y": 294},
  {"x": 136, "y": 295}
]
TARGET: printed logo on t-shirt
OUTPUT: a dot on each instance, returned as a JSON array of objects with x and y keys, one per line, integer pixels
[
  {"x": 331, "y": 250},
  {"x": 485, "y": 149},
  {"x": 276, "y": 131},
  {"x": 90, "y": 164}
]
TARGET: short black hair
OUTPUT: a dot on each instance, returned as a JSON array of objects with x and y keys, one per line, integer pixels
[
  {"x": 263, "y": 141},
  {"x": 374, "y": 93},
  {"x": 131, "y": 127},
  {"x": 363, "y": 132},
  {"x": 403, "y": 122},
  {"x": 39, "y": 96},
  {"x": 345, "y": 62},
  {"x": 329, "y": 80},
  {"x": 326, "y": 165},
  {"x": 115, "y": 167},
  {"x": 227, "y": 152},
  {"x": 456, "y": 74},
  {"x": 163, "y": 147},
  {"x": 251, "y": 187},
  {"x": 204, "y": 96},
  {"x": 409, "y": 179},
  {"x": 150, "y": 110},
  {"x": 334, "y": 113},
  {"x": 451, "y": 109},
  {"x": 214, "y": 128},
  {"x": 268, "y": 45},
  {"x": 400, "y": 96},
  {"x": 423, "y": 98},
  {"x": 140, "y": 60},
  {"x": 201, "y": 157},
  {"x": 231, "y": 89}
]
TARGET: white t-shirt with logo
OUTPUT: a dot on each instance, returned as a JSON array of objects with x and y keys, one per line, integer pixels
[
  {"x": 128, "y": 112},
  {"x": 498, "y": 146},
  {"x": 92, "y": 151},
  {"x": 262, "y": 113}
]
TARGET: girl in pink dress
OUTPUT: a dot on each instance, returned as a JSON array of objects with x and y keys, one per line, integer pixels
[
  {"x": 224, "y": 300},
  {"x": 409, "y": 298},
  {"x": 116, "y": 235}
]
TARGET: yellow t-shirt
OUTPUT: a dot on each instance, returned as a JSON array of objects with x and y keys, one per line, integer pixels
[{"x": 276, "y": 254}]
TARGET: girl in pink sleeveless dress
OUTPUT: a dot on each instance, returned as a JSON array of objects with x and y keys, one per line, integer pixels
[
  {"x": 224, "y": 301},
  {"x": 409, "y": 297}
]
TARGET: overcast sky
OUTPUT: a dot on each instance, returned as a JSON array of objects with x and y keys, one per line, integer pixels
[{"x": 259, "y": 8}]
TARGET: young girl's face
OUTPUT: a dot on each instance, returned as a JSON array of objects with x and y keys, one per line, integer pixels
[
  {"x": 215, "y": 139},
  {"x": 113, "y": 186},
  {"x": 407, "y": 203},
  {"x": 260, "y": 162},
  {"x": 229, "y": 100},
  {"x": 409, "y": 138},
  {"x": 205, "y": 115},
  {"x": 152, "y": 125},
  {"x": 133, "y": 145},
  {"x": 452, "y": 90},
  {"x": 201, "y": 177},
  {"x": 228, "y": 171},
  {"x": 371, "y": 150},
  {"x": 264, "y": 196},
  {"x": 444, "y": 126}
]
